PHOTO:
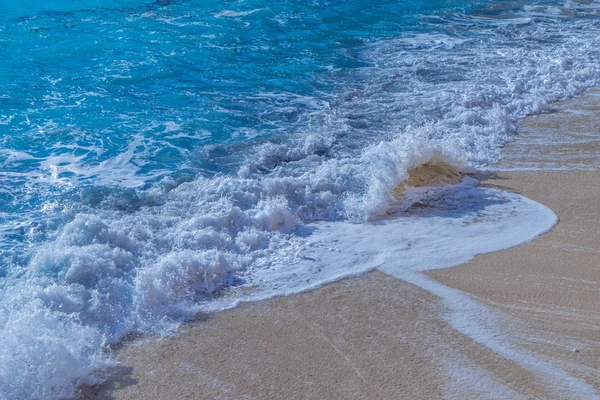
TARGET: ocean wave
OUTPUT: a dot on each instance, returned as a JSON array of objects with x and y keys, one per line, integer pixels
[{"x": 118, "y": 242}]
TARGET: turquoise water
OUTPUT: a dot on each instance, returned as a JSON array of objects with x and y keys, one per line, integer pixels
[
  {"x": 122, "y": 93},
  {"x": 86, "y": 83},
  {"x": 155, "y": 154}
]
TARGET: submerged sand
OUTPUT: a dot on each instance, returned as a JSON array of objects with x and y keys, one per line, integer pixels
[{"x": 377, "y": 337}]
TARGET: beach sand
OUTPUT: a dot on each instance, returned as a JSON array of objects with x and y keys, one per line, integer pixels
[{"x": 377, "y": 337}]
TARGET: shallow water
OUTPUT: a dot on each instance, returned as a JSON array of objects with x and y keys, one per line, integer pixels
[{"x": 161, "y": 158}]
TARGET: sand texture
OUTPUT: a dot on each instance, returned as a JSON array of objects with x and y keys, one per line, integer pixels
[{"x": 566, "y": 138}]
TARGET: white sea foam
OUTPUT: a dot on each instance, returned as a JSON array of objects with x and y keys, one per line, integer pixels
[
  {"x": 467, "y": 380},
  {"x": 109, "y": 274},
  {"x": 233, "y": 14},
  {"x": 447, "y": 227}
]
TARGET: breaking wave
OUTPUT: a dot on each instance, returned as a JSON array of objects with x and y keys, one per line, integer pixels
[{"x": 139, "y": 228}]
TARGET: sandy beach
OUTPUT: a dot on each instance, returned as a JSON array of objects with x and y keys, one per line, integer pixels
[{"x": 377, "y": 337}]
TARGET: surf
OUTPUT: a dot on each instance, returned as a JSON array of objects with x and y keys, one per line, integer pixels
[{"x": 235, "y": 155}]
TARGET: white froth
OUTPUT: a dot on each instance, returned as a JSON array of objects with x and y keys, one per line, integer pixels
[
  {"x": 233, "y": 14},
  {"x": 449, "y": 228},
  {"x": 146, "y": 271},
  {"x": 467, "y": 380}
]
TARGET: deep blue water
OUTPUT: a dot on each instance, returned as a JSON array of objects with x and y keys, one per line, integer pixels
[{"x": 122, "y": 119}]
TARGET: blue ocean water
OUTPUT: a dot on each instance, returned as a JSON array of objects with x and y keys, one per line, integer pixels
[
  {"x": 122, "y": 93},
  {"x": 156, "y": 154}
]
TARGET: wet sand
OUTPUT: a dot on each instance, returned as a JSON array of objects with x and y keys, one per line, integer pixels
[{"x": 376, "y": 337}]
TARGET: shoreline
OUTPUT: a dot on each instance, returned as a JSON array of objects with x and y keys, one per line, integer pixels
[
  {"x": 547, "y": 288},
  {"x": 374, "y": 336}
]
